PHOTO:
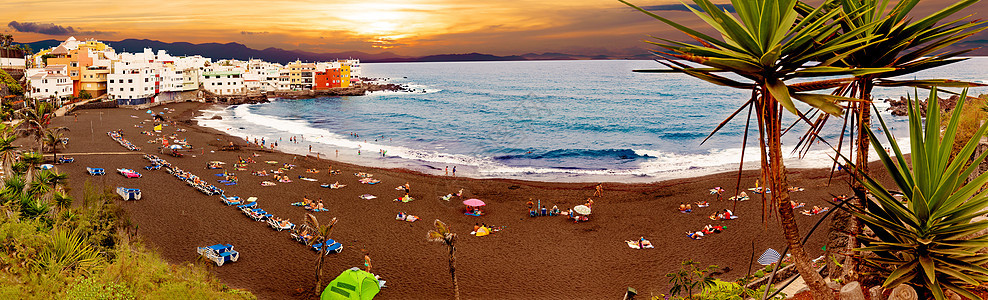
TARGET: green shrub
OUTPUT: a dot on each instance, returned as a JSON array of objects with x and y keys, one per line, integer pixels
[
  {"x": 759, "y": 274},
  {"x": 769, "y": 268},
  {"x": 12, "y": 86}
]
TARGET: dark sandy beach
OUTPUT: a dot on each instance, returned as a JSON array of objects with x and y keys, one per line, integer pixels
[{"x": 545, "y": 257}]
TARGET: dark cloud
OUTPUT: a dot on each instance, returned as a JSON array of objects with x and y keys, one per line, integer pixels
[
  {"x": 253, "y": 32},
  {"x": 680, "y": 7},
  {"x": 49, "y": 29}
]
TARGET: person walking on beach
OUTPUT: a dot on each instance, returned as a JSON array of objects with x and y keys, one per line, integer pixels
[
  {"x": 454, "y": 171},
  {"x": 447, "y": 170},
  {"x": 337, "y": 152},
  {"x": 600, "y": 190},
  {"x": 310, "y": 148},
  {"x": 367, "y": 262}
]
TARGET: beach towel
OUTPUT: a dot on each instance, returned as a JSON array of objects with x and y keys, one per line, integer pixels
[
  {"x": 447, "y": 197},
  {"x": 367, "y": 196},
  {"x": 268, "y": 183},
  {"x": 645, "y": 244},
  {"x": 405, "y": 199},
  {"x": 306, "y": 178},
  {"x": 702, "y": 205}
]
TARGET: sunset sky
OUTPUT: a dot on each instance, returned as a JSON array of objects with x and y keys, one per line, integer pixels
[{"x": 406, "y": 27}]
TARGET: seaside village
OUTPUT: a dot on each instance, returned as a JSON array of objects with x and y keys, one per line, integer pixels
[{"x": 92, "y": 69}]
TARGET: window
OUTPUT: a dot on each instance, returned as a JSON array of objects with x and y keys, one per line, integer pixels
[
  {"x": 131, "y": 89},
  {"x": 111, "y": 80},
  {"x": 130, "y": 81}
]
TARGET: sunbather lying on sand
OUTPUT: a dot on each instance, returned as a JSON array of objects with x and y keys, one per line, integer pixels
[
  {"x": 313, "y": 171},
  {"x": 712, "y": 229},
  {"x": 796, "y": 205},
  {"x": 702, "y": 204},
  {"x": 695, "y": 235},
  {"x": 815, "y": 210},
  {"x": 685, "y": 208},
  {"x": 641, "y": 243}
]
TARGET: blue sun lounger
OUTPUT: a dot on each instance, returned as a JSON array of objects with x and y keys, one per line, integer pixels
[
  {"x": 248, "y": 205},
  {"x": 219, "y": 253},
  {"x": 330, "y": 246},
  {"x": 95, "y": 171},
  {"x": 232, "y": 200}
]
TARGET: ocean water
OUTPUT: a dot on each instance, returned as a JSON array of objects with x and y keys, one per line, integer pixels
[{"x": 581, "y": 121}]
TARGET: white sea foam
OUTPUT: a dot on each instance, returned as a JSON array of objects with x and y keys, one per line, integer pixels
[{"x": 659, "y": 165}]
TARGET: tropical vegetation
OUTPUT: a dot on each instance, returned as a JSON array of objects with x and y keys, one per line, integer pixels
[
  {"x": 902, "y": 45},
  {"x": 926, "y": 236},
  {"x": 443, "y": 234},
  {"x": 768, "y": 43},
  {"x": 320, "y": 234},
  {"x": 50, "y": 249}
]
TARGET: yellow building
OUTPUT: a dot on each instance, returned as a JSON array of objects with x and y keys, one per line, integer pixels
[
  {"x": 344, "y": 73},
  {"x": 87, "y": 65}
]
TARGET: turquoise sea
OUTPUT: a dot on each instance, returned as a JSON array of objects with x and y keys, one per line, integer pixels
[{"x": 537, "y": 120}]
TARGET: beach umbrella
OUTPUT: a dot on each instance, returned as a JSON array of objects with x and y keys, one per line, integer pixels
[
  {"x": 716, "y": 190},
  {"x": 473, "y": 202},
  {"x": 769, "y": 257},
  {"x": 582, "y": 209},
  {"x": 46, "y": 166},
  {"x": 175, "y": 147}
]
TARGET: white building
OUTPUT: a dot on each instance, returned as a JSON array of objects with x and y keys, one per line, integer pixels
[
  {"x": 354, "y": 64},
  {"x": 224, "y": 83},
  {"x": 132, "y": 82},
  {"x": 49, "y": 82}
]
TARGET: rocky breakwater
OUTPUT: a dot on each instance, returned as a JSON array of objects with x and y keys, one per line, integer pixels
[
  {"x": 899, "y": 107},
  {"x": 355, "y": 90}
]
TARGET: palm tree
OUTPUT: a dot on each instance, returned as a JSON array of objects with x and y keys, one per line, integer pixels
[
  {"x": 771, "y": 43},
  {"x": 6, "y": 40},
  {"x": 52, "y": 138},
  {"x": 905, "y": 46},
  {"x": 31, "y": 161},
  {"x": 36, "y": 119},
  {"x": 7, "y": 152},
  {"x": 320, "y": 236},
  {"x": 446, "y": 236}
]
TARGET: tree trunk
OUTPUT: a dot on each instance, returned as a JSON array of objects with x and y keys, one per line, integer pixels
[
  {"x": 452, "y": 271},
  {"x": 322, "y": 255},
  {"x": 863, "y": 113},
  {"x": 779, "y": 185}
]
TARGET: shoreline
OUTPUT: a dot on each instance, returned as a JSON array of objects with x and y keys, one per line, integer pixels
[
  {"x": 663, "y": 167},
  {"x": 547, "y": 257}
]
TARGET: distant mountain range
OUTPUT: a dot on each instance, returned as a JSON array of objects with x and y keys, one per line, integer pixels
[{"x": 242, "y": 52}]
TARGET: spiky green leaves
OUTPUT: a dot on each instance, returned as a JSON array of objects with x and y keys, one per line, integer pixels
[{"x": 928, "y": 240}]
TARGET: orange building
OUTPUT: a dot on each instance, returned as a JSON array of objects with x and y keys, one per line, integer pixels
[
  {"x": 332, "y": 78},
  {"x": 87, "y": 65}
]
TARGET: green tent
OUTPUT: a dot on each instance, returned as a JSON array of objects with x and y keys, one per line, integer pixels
[{"x": 352, "y": 284}]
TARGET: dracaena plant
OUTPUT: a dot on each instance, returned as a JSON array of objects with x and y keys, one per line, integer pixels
[
  {"x": 905, "y": 45},
  {"x": 925, "y": 238},
  {"x": 766, "y": 44}
]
